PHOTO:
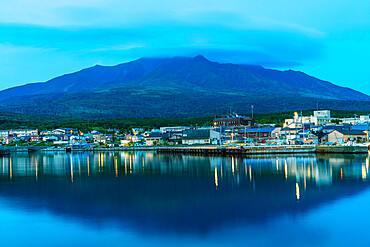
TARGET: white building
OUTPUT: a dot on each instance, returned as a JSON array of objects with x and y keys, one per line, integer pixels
[
  {"x": 356, "y": 120},
  {"x": 319, "y": 118},
  {"x": 18, "y": 132},
  {"x": 173, "y": 129}
]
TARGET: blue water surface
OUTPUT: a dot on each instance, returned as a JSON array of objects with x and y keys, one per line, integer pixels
[{"x": 149, "y": 199}]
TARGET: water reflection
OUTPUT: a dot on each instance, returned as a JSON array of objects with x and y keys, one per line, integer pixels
[{"x": 178, "y": 193}]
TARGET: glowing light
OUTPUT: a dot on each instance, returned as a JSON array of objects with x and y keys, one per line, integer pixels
[
  {"x": 216, "y": 177},
  {"x": 71, "y": 170},
  {"x": 99, "y": 162},
  {"x": 297, "y": 194},
  {"x": 250, "y": 173},
  {"x": 286, "y": 170},
  {"x": 115, "y": 165},
  {"x": 88, "y": 166},
  {"x": 130, "y": 165},
  {"x": 232, "y": 165},
  {"x": 126, "y": 165},
  {"x": 10, "y": 169},
  {"x": 363, "y": 172},
  {"x": 102, "y": 160},
  {"x": 341, "y": 173}
]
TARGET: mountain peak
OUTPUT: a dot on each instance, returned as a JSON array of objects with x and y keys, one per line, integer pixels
[{"x": 200, "y": 58}]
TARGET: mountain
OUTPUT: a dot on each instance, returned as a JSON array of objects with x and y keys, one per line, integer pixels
[{"x": 179, "y": 87}]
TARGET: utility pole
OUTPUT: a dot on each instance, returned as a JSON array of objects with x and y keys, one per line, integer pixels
[
  {"x": 302, "y": 126},
  {"x": 252, "y": 110}
]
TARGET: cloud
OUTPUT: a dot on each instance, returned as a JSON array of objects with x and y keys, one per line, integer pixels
[
  {"x": 75, "y": 34},
  {"x": 247, "y": 46}
]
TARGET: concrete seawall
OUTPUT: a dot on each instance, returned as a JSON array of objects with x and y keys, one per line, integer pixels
[
  {"x": 237, "y": 151},
  {"x": 213, "y": 150},
  {"x": 343, "y": 149}
]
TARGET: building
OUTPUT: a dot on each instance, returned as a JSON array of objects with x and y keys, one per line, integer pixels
[
  {"x": 18, "y": 132},
  {"x": 173, "y": 129},
  {"x": 322, "y": 117},
  {"x": 341, "y": 136},
  {"x": 50, "y": 138},
  {"x": 137, "y": 138},
  {"x": 200, "y": 136},
  {"x": 330, "y": 128},
  {"x": 356, "y": 120},
  {"x": 265, "y": 132},
  {"x": 63, "y": 131},
  {"x": 35, "y": 138},
  {"x": 233, "y": 120},
  {"x": 137, "y": 131},
  {"x": 175, "y": 138},
  {"x": 155, "y": 138},
  {"x": 319, "y": 118}
]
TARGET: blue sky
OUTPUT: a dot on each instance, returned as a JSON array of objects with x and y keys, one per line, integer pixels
[{"x": 329, "y": 39}]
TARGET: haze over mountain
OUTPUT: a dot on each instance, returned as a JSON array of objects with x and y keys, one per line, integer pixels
[{"x": 177, "y": 86}]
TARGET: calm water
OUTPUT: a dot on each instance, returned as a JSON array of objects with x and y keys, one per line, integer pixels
[{"x": 145, "y": 199}]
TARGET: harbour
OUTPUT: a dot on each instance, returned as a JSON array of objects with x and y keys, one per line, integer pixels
[{"x": 145, "y": 197}]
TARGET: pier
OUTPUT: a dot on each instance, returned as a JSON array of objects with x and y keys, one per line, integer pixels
[
  {"x": 223, "y": 151},
  {"x": 263, "y": 150}
]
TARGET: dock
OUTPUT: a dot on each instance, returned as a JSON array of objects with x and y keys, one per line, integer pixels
[{"x": 223, "y": 151}]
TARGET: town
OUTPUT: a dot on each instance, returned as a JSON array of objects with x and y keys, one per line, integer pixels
[{"x": 229, "y": 130}]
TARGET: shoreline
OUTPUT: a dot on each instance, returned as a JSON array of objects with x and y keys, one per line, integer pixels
[{"x": 208, "y": 150}]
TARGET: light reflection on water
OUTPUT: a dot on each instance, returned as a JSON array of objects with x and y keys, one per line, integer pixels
[{"x": 194, "y": 200}]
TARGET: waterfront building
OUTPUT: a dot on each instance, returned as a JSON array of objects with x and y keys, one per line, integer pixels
[
  {"x": 155, "y": 138},
  {"x": 233, "y": 120},
  {"x": 264, "y": 133},
  {"x": 200, "y": 136},
  {"x": 341, "y": 136}
]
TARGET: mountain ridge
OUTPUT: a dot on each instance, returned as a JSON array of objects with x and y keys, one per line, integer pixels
[{"x": 175, "y": 84}]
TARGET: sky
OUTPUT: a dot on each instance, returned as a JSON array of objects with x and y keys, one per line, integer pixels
[{"x": 42, "y": 39}]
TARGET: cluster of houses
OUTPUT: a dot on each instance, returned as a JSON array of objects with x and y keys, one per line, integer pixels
[
  {"x": 316, "y": 129},
  {"x": 61, "y": 136}
]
